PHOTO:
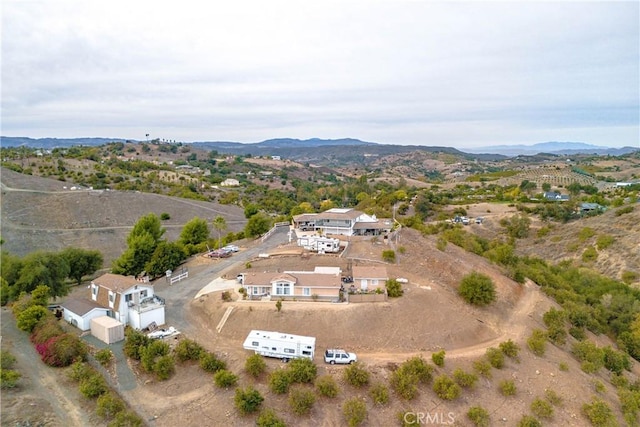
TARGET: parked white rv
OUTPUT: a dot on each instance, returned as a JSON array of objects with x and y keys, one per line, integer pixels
[{"x": 279, "y": 345}]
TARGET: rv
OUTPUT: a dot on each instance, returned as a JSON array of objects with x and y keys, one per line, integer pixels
[{"x": 279, "y": 345}]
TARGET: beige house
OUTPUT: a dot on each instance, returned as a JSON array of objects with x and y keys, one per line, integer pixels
[
  {"x": 369, "y": 277},
  {"x": 323, "y": 283},
  {"x": 347, "y": 222}
]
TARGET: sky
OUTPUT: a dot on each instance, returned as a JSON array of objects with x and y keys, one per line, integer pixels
[{"x": 437, "y": 73}]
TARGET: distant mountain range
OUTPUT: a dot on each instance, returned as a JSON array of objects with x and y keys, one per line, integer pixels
[
  {"x": 283, "y": 146},
  {"x": 553, "y": 147}
]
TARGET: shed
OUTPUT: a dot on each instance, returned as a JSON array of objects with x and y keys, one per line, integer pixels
[
  {"x": 79, "y": 312},
  {"x": 107, "y": 329}
]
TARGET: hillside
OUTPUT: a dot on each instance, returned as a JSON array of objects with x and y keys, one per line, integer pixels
[{"x": 46, "y": 214}]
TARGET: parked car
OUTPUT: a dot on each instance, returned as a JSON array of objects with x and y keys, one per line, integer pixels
[
  {"x": 218, "y": 253},
  {"x": 231, "y": 248},
  {"x": 334, "y": 356}
]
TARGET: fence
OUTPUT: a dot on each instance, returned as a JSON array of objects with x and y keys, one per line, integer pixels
[
  {"x": 178, "y": 277},
  {"x": 273, "y": 230}
]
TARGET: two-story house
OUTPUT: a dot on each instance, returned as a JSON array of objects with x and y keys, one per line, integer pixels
[
  {"x": 131, "y": 302},
  {"x": 346, "y": 222}
]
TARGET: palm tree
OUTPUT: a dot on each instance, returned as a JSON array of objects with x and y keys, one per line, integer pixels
[{"x": 220, "y": 224}]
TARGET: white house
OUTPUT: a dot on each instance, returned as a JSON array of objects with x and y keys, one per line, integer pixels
[
  {"x": 321, "y": 283},
  {"x": 132, "y": 302},
  {"x": 230, "y": 182},
  {"x": 347, "y": 222},
  {"x": 79, "y": 312}
]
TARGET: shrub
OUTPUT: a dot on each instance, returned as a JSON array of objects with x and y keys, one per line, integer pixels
[
  {"x": 616, "y": 361},
  {"x": 279, "y": 305},
  {"x": 9, "y": 378},
  {"x": 126, "y": 418},
  {"x": 165, "y": 216},
  {"x": 394, "y": 288},
  {"x": 62, "y": 350},
  {"x": 557, "y": 335},
  {"x": 389, "y": 255},
  {"x": 303, "y": 370},
  {"x": 29, "y": 318},
  {"x": 255, "y": 365},
  {"x": 599, "y": 413},
  {"x": 354, "y": 411},
  {"x": 188, "y": 349},
  {"x": 301, "y": 400},
  {"x": 47, "y": 328},
  {"x": 495, "y": 357},
  {"x": 478, "y": 416},
  {"x": 104, "y": 356},
  {"x": 268, "y": 418},
  {"x": 529, "y": 421},
  {"x": 604, "y": 241},
  {"x": 507, "y": 387},
  {"x": 279, "y": 381},
  {"x": 210, "y": 362},
  {"x": 477, "y": 289},
  {"x": 80, "y": 371},
  {"x": 93, "y": 386},
  {"x": 151, "y": 352},
  {"x": 224, "y": 378},
  {"x": 164, "y": 367},
  {"x": 510, "y": 349},
  {"x": 7, "y": 360},
  {"x": 482, "y": 367},
  {"x": 445, "y": 388},
  {"x": 379, "y": 394},
  {"x": 247, "y": 400},
  {"x": 590, "y": 254},
  {"x": 552, "y": 397},
  {"x": 591, "y": 356},
  {"x": 356, "y": 375},
  {"x": 405, "y": 379},
  {"x": 464, "y": 379},
  {"x": 438, "y": 358},
  {"x": 541, "y": 408},
  {"x": 327, "y": 386},
  {"x": 108, "y": 405},
  {"x": 135, "y": 341},
  {"x": 563, "y": 366},
  {"x": 537, "y": 342}
]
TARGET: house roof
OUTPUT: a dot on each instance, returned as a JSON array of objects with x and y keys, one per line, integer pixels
[
  {"x": 379, "y": 224},
  {"x": 334, "y": 213},
  {"x": 81, "y": 306},
  {"x": 116, "y": 282},
  {"x": 369, "y": 272},
  {"x": 301, "y": 279}
]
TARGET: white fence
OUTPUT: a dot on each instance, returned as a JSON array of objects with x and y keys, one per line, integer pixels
[
  {"x": 179, "y": 277},
  {"x": 273, "y": 229}
]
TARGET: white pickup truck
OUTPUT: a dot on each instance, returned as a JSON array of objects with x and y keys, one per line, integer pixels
[{"x": 334, "y": 356}]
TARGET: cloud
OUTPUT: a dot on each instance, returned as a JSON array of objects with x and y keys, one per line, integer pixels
[{"x": 409, "y": 72}]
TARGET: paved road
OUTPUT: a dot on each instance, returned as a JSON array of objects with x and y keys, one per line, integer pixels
[{"x": 180, "y": 294}]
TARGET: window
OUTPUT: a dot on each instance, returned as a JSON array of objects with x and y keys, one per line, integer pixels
[
  {"x": 112, "y": 297},
  {"x": 306, "y": 353},
  {"x": 143, "y": 294},
  {"x": 306, "y": 291},
  {"x": 273, "y": 349},
  {"x": 128, "y": 297},
  {"x": 289, "y": 350},
  {"x": 255, "y": 343},
  {"x": 283, "y": 288},
  {"x": 94, "y": 291}
]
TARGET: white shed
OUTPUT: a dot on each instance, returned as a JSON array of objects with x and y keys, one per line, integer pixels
[
  {"x": 107, "y": 329},
  {"x": 79, "y": 312}
]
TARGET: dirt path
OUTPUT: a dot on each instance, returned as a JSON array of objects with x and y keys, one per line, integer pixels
[{"x": 43, "y": 396}]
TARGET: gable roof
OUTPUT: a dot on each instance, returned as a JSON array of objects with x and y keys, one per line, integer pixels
[
  {"x": 81, "y": 306},
  {"x": 369, "y": 271},
  {"x": 116, "y": 282},
  {"x": 300, "y": 279}
]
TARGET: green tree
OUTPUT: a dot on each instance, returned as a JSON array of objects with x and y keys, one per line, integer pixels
[
  {"x": 269, "y": 418},
  {"x": 167, "y": 256},
  {"x": 82, "y": 262},
  {"x": 29, "y": 318},
  {"x": 355, "y": 411},
  {"x": 219, "y": 224},
  {"x": 257, "y": 225},
  {"x": 141, "y": 244},
  {"x": 42, "y": 268},
  {"x": 394, "y": 288},
  {"x": 517, "y": 227},
  {"x": 194, "y": 232},
  {"x": 255, "y": 365},
  {"x": 477, "y": 289},
  {"x": 250, "y": 210}
]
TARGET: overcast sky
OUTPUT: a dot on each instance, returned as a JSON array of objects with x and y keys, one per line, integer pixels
[{"x": 460, "y": 74}]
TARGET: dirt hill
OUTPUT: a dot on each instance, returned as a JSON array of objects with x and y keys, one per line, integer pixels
[{"x": 46, "y": 214}]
